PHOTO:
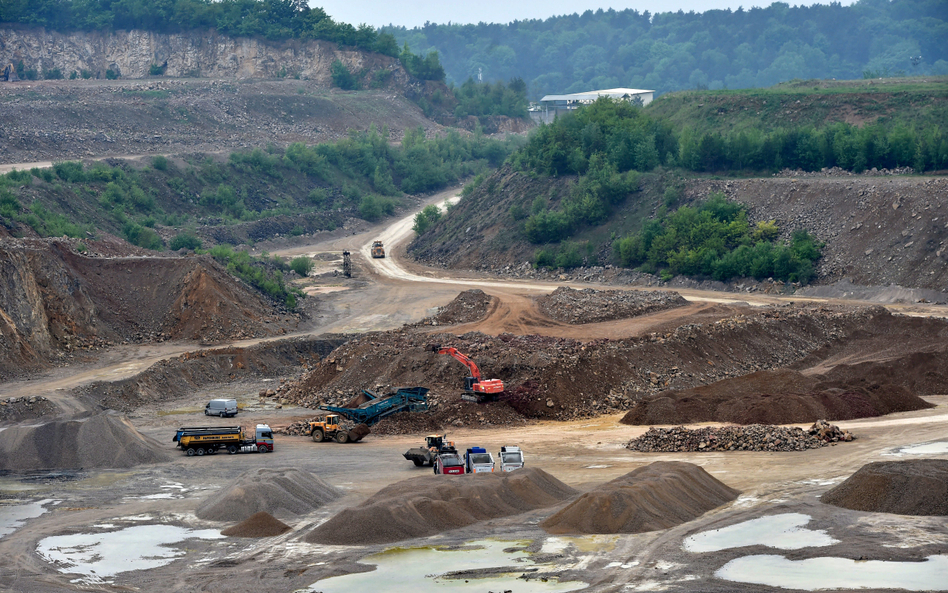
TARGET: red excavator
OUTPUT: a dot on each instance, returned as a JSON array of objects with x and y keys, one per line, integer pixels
[{"x": 476, "y": 389}]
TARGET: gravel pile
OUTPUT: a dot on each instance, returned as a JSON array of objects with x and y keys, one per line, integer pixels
[
  {"x": 914, "y": 487},
  {"x": 756, "y": 437},
  {"x": 469, "y": 306},
  {"x": 427, "y": 505},
  {"x": 260, "y": 524},
  {"x": 105, "y": 440},
  {"x": 657, "y": 496},
  {"x": 592, "y": 306},
  {"x": 274, "y": 491}
]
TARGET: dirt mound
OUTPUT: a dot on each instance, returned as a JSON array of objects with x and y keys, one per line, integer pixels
[
  {"x": 913, "y": 487},
  {"x": 469, "y": 306},
  {"x": 549, "y": 377},
  {"x": 18, "y": 409},
  {"x": 592, "y": 306},
  {"x": 273, "y": 491},
  {"x": 260, "y": 524},
  {"x": 739, "y": 438},
  {"x": 428, "y": 505},
  {"x": 780, "y": 396},
  {"x": 657, "y": 496},
  {"x": 106, "y": 440}
]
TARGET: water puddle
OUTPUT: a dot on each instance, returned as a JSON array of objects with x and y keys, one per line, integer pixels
[
  {"x": 13, "y": 516},
  {"x": 785, "y": 532},
  {"x": 838, "y": 573},
  {"x": 100, "y": 556},
  {"x": 933, "y": 448},
  {"x": 480, "y": 566}
]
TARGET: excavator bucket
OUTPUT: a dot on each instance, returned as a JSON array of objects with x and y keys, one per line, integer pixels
[{"x": 433, "y": 347}]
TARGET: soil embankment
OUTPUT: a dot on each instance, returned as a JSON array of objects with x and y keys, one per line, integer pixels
[
  {"x": 912, "y": 487},
  {"x": 428, "y": 505},
  {"x": 657, "y": 496},
  {"x": 57, "y": 297}
]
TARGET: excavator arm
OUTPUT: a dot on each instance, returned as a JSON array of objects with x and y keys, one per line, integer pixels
[{"x": 475, "y": 372}]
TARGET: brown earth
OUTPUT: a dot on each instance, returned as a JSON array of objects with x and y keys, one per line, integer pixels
[
  {"x": 593, "y": 306},
  {"x": 261, "y": 524},
  {"x": 547, "y": 377},
  {"x": 913, "y": 487},
  {"x": 657, "y": 496},
  {"x": 56, "y": 299},
  {"x": 106, "y": 440},
  {"x": 283, "y": 490},
  {"x": 429, "y": 505}
]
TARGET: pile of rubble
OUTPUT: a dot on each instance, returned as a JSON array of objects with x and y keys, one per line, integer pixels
[
  {"x": 592, "y": 306},
  {"x": 14, "y": 409},
  {"x": 469, "y": 306},
  {"x": 756, "y": 437}
]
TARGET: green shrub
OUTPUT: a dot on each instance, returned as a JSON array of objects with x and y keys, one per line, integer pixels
[
  {"x": 301, "y": 265},
  {"x": 53, "y": 74},
  {"x": 343, "y": 78},
  {"x": 427, "y": 217},
  {"x": 111, "y": 74},
  {"x": 160, "y": 163},
  {"x": 372, "y": 207},
  {"x": 185, "y": 240}
]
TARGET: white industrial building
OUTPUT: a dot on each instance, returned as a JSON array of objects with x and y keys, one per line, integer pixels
[{"x": 549, "y": 106}]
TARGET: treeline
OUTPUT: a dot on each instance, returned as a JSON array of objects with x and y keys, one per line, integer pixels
[
  {"x": 714, "y": 49},
  {"x": 271, "y": 19},
  {"x": 715, "y": 240},
  {"x": 485, "y": 99}
]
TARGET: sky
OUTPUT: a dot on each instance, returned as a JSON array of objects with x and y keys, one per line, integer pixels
[{"x": 414, "y": 13}]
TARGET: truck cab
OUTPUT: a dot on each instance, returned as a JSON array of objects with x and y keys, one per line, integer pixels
[
  {"x": 477, "y": 460},
  {"x": 263, "y": 438},
  {"x": 511, "y": 458}
]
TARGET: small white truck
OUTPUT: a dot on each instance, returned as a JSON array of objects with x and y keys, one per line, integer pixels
[{"x": 511, "y": 458}]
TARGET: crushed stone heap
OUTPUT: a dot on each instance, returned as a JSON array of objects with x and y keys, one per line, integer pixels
[
  {"x": 912, "y": 487},
  {"x": 427, "y": 505},
  {"x": 273, "y": 491},
  {"x": 469, "y": 306},
  {"x": 104, "y": 440},
  {"x": 587, "y": 305},
  {"x": 658, "y": 496},
  {"x": 756, "y": 437},
  {"x": 260, "y": 524}
]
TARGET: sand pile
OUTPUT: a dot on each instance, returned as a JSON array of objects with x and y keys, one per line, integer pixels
[
  {"x": 105, "y": 440},
  {"x": 427, "y": 505},
  {"x": 914, "y": 487},
  {"x": 592, "y": 306},
  {"x": 657, "y": 496},
  {"x": 286, "y": 490},
  {"x": 780, "y": 396},
  {"x": 260, "y": 524}
]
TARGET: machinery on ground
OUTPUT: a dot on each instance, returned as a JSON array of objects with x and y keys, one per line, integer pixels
[
  {"x": 328, "y": 428},
  {"x": 377, "y": 249},
  {"x": 405, "y": 399},
  {"x": 476, "y": 389},
  {"x": 477, "y": 461},
  {"x": 449, "y": 464},
  {"x": 511, "y": 458},
  {"x": 346, "y": 264},
  {"x": 207, "y": 440},
  {"x": 9, "y": 74},
  {"x": 435, "y": 445}
]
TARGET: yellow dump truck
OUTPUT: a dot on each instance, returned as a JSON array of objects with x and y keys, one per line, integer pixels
[
  {"x": 208, "y": 440},
  {"x": 377, "y": 249}
]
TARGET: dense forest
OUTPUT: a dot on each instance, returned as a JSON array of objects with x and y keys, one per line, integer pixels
[{"x": 715, "y": 49}]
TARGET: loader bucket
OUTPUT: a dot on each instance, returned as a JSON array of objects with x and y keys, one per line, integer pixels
[{"x": 358, "y": 433}]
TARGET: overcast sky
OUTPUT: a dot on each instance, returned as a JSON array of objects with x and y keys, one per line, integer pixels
[{"x": 414, "y": 13}]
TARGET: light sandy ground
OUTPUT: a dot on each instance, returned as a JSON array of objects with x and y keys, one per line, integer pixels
[{"x": 385, "y": 294}]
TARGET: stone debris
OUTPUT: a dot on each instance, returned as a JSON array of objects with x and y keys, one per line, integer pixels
[
  {"x": 756, "y": 437},
  {"x": 592, "y": 306}
]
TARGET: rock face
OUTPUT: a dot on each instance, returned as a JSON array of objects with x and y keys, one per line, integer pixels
[{"x": 130, "y": 54}]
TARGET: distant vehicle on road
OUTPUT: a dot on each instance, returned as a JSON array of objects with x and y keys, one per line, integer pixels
[{"x": 377, "y": 249}]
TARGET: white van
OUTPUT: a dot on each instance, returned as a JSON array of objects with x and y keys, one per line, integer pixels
[{"x": 221, "y": 407}]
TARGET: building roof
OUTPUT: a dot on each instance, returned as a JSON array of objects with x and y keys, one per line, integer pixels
[{"x": 593, "y": 95}]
